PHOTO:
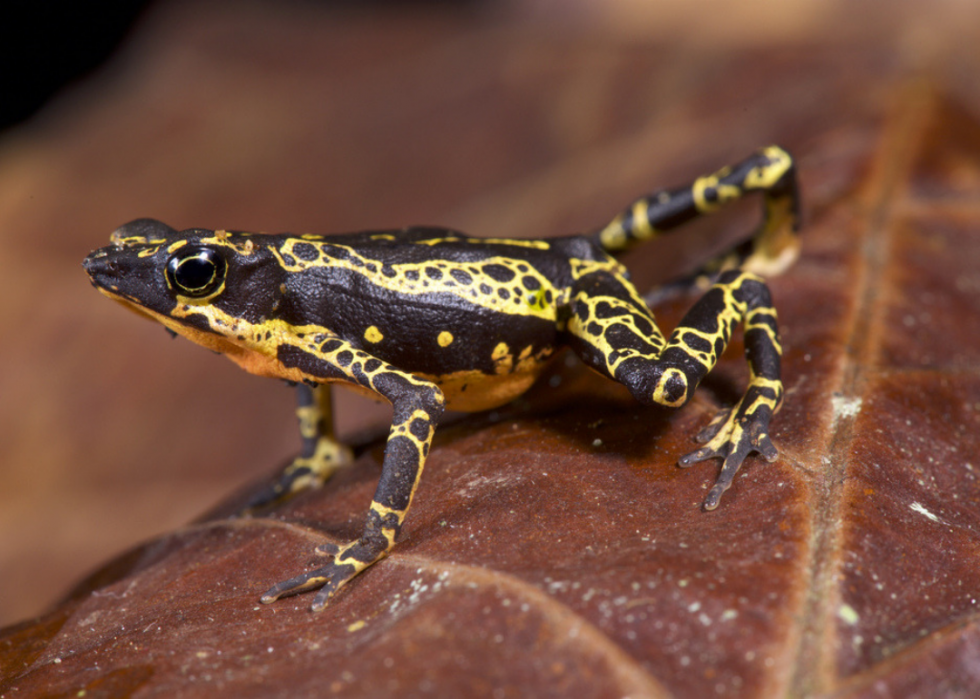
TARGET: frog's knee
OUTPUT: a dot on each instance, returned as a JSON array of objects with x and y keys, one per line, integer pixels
[
  {"x": 652, "y": 384},
  {"x": 671, "y": 388}
]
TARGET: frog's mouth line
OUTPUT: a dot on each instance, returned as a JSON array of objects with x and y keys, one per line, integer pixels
[{"x": 131, "y": 305}]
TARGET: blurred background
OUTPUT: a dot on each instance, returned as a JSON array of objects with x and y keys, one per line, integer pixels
[{"x": 516, "y": 118}]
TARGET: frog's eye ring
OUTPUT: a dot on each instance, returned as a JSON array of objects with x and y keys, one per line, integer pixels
[{"x": 195, "y": 271}]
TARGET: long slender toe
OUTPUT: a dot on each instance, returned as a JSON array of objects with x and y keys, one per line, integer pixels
[
  {"x": 301, "y": 583},
  {"x": 695, "y": 456}
]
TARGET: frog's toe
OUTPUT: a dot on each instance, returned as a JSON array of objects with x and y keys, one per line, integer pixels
[
  {"x": 711, "y": 430},
  {"x": 738, "y": 450},
  {"x": 327, "y": 549},
  {"x": 732, "y": 436},
  {"x": 345, "y": 563},
  {"x": 696, "y": 456},
  {"x": 723, "y": 483},
  {"x": 294, "y": 478},
  {"x": 328, "y": 579},
  {"x": 303, "y": 473},
  {"x": 764, "y": 447}
]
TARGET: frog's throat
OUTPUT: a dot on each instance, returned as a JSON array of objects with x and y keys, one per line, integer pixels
[{"x": 247, "y": 358}]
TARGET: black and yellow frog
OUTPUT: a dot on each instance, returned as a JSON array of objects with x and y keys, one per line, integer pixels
[{"x": 428, "y": 318}]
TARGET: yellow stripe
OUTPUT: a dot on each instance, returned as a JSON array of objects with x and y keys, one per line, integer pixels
[{"x": 642, "y": 229}]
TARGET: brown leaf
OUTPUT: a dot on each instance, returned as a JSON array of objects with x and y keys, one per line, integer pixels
[{"x": 553, "y": 549}]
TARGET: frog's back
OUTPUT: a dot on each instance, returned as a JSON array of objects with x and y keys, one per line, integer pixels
[
  {"x": 456, "y": 309},
  {"x": 428, "y": 246}
]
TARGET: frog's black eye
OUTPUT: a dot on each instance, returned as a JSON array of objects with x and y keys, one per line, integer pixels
[{"x": 195, "y": 271}]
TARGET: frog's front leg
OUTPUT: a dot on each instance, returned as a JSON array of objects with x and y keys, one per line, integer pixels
[
  {"x": 615, "y": 333},
  {"x": 321, "y": 453},
  {"x": 417, "y": 405}
]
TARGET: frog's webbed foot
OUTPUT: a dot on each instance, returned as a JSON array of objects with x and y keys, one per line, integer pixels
[
  {"x": 346, "y": 562},
  {"x": 732, "y": 435},
  {"x": 304, "y": 472}
]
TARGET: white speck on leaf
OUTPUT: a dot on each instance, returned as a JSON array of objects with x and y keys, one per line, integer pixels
[
  {"x": 848, "y": 615},
  {"x": 844, "y": 407},
  {"x": 916, "y": 507}
]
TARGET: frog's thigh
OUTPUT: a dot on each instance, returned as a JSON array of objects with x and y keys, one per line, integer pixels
[{"x": 611, "y": 325}]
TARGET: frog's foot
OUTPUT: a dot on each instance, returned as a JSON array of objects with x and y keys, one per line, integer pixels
[
  {"x": 732, "y": 435},
  {"x": 304, "y": 472},
  {"x": 346, "y": 562}
]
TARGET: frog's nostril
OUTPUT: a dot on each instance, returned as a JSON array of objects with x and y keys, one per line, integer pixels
[{"x": 100, "y": 266}]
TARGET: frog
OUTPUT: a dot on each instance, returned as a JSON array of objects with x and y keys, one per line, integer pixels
[{"x": 428, "y": 318}]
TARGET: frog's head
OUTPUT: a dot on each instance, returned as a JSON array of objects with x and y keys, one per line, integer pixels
[{"x": 219, "y": 289}]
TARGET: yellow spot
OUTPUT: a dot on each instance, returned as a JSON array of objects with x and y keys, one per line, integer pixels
[
  {"x": 176, "y": 246},
  {"x": 502, "y": 357},
  {"x": 445, "y": 339},
  {"x": 356, "y": 626},
  {"x": 372, "y": 334}
]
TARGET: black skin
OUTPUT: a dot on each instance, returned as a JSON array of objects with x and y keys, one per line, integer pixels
[{"x": 428, "y": 318}]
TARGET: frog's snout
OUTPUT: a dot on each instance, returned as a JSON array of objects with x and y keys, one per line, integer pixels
[
  {"x": 95, "y": 261},
  {"x": 102, "y": 269},
  {"x": 93, "y": 257}
]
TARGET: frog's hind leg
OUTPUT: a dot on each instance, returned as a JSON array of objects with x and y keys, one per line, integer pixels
[
  {"x": 770, "y": 250},
  {"x": 735, "y": 432},
  {"x": 614, "y": 332},
  {"x": 321, "y": 454}
]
